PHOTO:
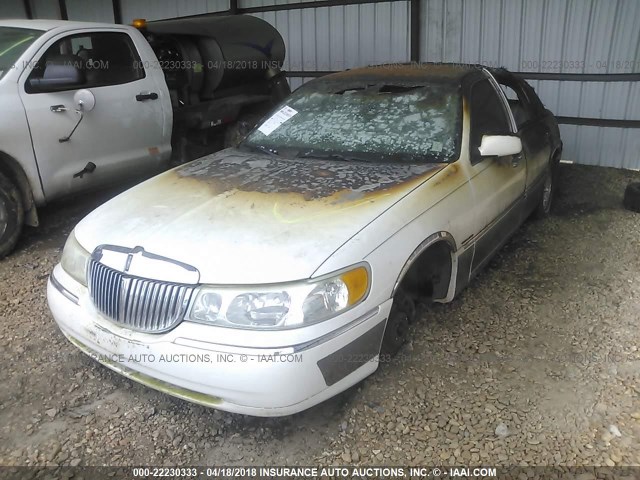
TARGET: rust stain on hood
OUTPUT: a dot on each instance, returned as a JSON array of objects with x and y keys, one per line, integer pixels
[
  {"x": 309, "y": 179},
  {"x": 242, "y": 218}
]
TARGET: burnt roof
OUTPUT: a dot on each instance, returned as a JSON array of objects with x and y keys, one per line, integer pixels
[{"x": 453, "y": 72}]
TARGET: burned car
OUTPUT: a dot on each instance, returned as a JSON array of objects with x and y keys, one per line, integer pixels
[{"x": 266, "y": 278}]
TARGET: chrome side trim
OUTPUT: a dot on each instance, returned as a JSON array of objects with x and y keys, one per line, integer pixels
[
  {"x": 67, "y": 294},
  {"x": 503, "y": 100},
  {"x": 493, "y": 237},
  {"x": 100, "y": 249}
]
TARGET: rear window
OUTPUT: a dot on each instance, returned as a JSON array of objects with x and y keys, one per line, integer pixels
[{"x": 13, "y": 43}]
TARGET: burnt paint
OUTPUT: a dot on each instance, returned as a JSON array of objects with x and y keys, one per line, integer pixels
[
  {"x": 233, "y": 170},
  {"x": 463, "y": 273},
  {"x": 415, "y": 71},
  {"x": 495, "y": 235}
]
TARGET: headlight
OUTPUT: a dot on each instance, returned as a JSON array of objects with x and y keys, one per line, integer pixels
[
  {"x": 281, "y": 306},
  {"x": 74, "y": 260}
]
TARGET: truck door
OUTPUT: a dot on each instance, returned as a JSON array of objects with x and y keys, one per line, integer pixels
[{"x": 123, "y": 136}]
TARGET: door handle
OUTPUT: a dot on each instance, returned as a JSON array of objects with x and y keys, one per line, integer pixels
[
  {"x": 142, "y": 96},
  {"x": 58, "y": 108},
  {"x": 515, "y": 160}
]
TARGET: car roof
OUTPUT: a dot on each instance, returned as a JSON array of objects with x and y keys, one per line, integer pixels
[{"x": 451, "y": 72}]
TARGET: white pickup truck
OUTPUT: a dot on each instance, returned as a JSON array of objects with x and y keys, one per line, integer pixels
[{"x": 86, "y": 105}]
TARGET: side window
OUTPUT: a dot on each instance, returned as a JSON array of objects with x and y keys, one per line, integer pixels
[
  {"x": 488, "y": 116},
  {"x": 103, "y": 58},
  {"x": 520, "y": 108},
  {"x": 532, "y": 98}
]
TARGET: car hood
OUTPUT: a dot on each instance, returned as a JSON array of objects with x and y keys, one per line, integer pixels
[{"x": 242, "y": 218}]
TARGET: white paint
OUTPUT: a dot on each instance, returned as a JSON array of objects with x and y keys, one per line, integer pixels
[
  {"x": 500, "y": 145},
  {"x": 84, "y": 100},
  {"x": 247, "y": 239},
  {"x": 245, "y": 384},
  {"x": 115, "y": 135},
  {"x": 266, "y": 238}
]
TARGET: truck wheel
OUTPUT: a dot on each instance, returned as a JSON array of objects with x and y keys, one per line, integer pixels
[
  {"x": 239, "y": 129},
  {"x": 11, "y": 215},
  {"x": 632, "y": 197},
  {"x": 403, "y": 312}
]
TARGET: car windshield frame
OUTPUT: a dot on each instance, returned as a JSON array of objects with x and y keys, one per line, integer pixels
[
  {"x": 387, "y": 89},
  {"x": 12, "y": 49}
]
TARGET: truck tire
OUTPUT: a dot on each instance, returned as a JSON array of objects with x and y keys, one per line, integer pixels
[
  {"x": 11, "y": 215},
  {"x": 239, "y": 129},
  {"x": 632, "y": 197}
]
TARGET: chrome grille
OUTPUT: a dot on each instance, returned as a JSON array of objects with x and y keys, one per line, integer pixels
[{"x": 137, "y": 303}]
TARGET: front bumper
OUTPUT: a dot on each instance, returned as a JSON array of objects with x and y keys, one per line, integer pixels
[{"x": 206, "y": 365}]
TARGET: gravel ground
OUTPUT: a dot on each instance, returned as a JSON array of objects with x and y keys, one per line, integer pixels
[{"x": 537, "y": 363}]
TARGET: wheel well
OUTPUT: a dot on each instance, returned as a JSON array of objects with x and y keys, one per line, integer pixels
[
  {"x": 10, "y": 167},
  {"x": 429, "y": 275},
  {"x": 557, "y": 154}
]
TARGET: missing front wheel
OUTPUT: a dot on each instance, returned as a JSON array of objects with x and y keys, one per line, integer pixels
[{"x": 402, "y": 314}]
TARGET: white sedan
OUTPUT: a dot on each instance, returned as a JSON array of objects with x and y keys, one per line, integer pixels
[{"x": 267, "y": 278}]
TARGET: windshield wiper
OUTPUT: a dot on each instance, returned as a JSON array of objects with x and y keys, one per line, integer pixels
[
  {"x": 261, "y": 149},
  {"x": 330, "y": 156}
]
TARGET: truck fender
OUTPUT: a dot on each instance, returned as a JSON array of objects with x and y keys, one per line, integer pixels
[{"x": 11, "y": 168}]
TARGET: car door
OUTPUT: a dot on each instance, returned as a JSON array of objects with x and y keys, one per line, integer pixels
[
  {"x": 497, "y": 184},
  {"x": 123, "y": 136},
  {"x": 528, "y": 111}
]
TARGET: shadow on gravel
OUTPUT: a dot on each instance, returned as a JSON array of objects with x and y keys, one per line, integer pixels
[
  {"x": 58, "y": 218},
  {"x": 525, "y": 346},
  {"x": 586, "y": 189}
]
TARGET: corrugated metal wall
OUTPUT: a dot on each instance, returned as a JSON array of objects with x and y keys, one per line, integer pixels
[
  {"x": 12, "y": 9},
  {"x": 553, "y": 36},
  {"x": 45, "y": 9},
  {"x": 340, "y": 37},
  {"x": 157, "y": 9},
  {"x": 548, "y": 36},
  {"x": 93, "y": 11}
]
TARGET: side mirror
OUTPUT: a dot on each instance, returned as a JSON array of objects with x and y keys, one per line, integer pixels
[
  {"x": 500, "y": 145},
  {"x": 58, "y": 77}
]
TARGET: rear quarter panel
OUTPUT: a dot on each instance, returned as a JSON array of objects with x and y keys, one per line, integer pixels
[{"x": 552, "y": 123}]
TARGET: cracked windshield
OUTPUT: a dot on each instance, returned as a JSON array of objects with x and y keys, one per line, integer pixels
[{"x": 377, "y": 123}]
